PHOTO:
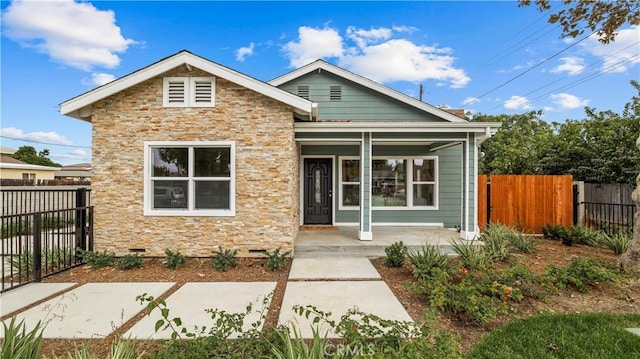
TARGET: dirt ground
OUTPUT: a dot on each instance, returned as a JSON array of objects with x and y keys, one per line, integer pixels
[{"x": 604, "y": 298}]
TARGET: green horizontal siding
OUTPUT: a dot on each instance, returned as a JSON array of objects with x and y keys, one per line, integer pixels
[{"x": 358, "y": 102}]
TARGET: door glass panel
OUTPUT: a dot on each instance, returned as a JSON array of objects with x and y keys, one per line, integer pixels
[{"x": 317, "y": 187}]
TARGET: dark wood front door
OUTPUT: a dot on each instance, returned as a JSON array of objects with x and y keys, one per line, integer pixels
[{"x": 317, "y": 190}]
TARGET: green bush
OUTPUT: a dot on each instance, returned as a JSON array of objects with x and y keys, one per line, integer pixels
[
  {"x": 617, "y": 242},
  {"x": 586, "y": 235},
  {"x": 174, "y": 259},
  {"x": 224, "y": 259},
  {"x": 580, "y": 274},
  {"x": 558, "y": 233},
  {"x": 424, "y": 260},
  {"x": 395, "y": 254},
  {"x": 50, "y": 258},
  {"x": 276, "y": 259},
  {"x": 472, "y": 256},
  {"x": 97, "y": 259},
  {"x": 130, "y": 261},
  {"x": 496, "y": 240},
  {"x": 17, "y": 342}
]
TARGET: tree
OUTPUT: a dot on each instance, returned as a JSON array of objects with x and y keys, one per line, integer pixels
[
  {"x": 604, "y": 17},
  {"x": 631, "y": 257},
  {"x": 519, "y": 145},
  {"x": 29, "y": 155}
]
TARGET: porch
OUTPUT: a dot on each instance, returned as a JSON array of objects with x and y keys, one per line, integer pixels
[{"x": 333, "y": 241}]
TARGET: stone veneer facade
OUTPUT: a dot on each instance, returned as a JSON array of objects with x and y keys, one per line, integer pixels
[{"x": 267, "y": 185}]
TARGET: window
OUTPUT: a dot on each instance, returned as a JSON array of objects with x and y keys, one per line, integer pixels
[
  {"x": 349, "y": 182},
  {"x": 335, "y": 93},
  {"x": 188, "y": 92},
  {"x": 190, "y": 178},
  {"x": 303, "y": 91},
  {"x": 404, "y": 182},
  {"x": 29, "y": 176}
]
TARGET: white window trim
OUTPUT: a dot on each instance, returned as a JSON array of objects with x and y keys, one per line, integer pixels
[
  {"x": 409, "y": 184},
  {"x": 148, "y": 188},
  {"x": 189, "y": 92},
  {"x": 342, "y": 207}
]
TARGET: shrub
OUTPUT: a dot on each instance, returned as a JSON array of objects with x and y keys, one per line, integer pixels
[
  {"x": 97, "y": 259},
  {"x": 580, "y": 273},
  {"x": 50, "y": 258},
  {"x": 130, "y": 261},
  {"x": 174, "y": 259},
  {"x": 558, "y": 233},
  {"x": 470, "y": 254},
  {"x": 586, "y": 235},
  {"x": 224, "y": 259},
  {"x": 496, "y": 240},
  {"x": 523, "y": 243},
  {"x": 17, "y": 342},
  {"x": 395, "y": 254},
  {"x": 617, "y": 242},
  {"x": 276, "y": 259},
  {"x": 424, "y": 260}
]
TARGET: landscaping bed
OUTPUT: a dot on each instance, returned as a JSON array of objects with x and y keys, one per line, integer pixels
[{"x": 620, "y": 297}]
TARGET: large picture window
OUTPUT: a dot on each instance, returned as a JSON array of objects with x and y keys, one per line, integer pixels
[
  {"x": 409, "y": 182},
  {"x": 189, "y": 178}
]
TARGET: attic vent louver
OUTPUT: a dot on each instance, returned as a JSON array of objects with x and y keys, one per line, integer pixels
[
  {"x": 335, "y": 93},
  {"x": 176, "y": 92},
  {"x": 303, "y": 91},
  {"x": 203, "y": 91}
]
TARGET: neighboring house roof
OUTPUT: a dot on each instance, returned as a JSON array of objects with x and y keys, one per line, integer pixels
[
  {"x": 80, "y": 106},
  {"x": 7, "y": 151},
  {"x": 363, "y": 81},
  {"x": 77, "y": 166},
  {"x": 10, "y": 162}
]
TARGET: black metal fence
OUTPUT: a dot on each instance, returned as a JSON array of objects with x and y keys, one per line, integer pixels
[
  {"x": 42, "y": 233},
  {"x": 609, "y": 217}
]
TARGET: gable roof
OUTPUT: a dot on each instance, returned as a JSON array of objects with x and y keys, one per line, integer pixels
[
  {"x": 370, "y": 84},
  {"x": 80, "y": 106},
  {"x": 10, "y": 162}
]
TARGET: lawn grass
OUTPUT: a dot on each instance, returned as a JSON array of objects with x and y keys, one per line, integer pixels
[{"x": 575, "y": 336}]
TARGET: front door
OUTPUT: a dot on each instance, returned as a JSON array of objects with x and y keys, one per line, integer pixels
[{"x": 317, "y": 191}]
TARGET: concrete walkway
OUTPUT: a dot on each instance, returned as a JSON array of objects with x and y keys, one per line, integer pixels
[{"x": 95, "y": 310}]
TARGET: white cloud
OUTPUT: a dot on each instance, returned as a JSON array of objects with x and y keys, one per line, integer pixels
[
  {"x": 100, "y": 79},
  {"x": 313, "y": 44},
  {"x": 404, "y": 28},
  {"x": 72, "y": 33},
  {"x": 375, "y": 53},
  {"x": 517, "y": 103},
  {"x": 568, "y": 101},
  {"x": 470, "y": 101},
  {"x": 618, "y": 55},
  {"x": 402, "y": 60},
  {"x": 77, "y": 155},
  {"x": 48, "y": 137},
  {"x": 570, "y": 65},
  {"x": 243, "y": 52}
]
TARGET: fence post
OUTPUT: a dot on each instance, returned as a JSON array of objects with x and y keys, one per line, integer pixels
[
  {"x": 37, "y": 247},
  {"x": 81, "y": 218}
]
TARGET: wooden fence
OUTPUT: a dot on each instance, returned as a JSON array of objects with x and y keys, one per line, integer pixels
[{"x": 526, "y": 202}]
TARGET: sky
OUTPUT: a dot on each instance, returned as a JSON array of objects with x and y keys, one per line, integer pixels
[{"x": 485, "y": 57}]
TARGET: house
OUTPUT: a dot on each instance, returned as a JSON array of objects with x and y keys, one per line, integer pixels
[
  {"x": 189, "y": 155},
  {"x": 78, "y": 172},
  {"x": 13, "y": 169}
]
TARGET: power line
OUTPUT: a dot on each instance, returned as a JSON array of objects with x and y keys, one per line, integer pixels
[
  {"x": 527, "y": 71},
  {"x": 44, "y": 143}
]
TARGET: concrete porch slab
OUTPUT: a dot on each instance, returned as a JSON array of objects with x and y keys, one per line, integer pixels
[
  {"x": 93, "y": 310},
  {"x": 344, "y": 242},
  {"x": 333, "y": 268},
  {"x": 26, "y": 295},
  {"x": 190, "y": 301},
  {"x": 337, "y": 297}
]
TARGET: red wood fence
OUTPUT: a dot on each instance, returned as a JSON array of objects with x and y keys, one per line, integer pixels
[{"x": 526, "y": 202}]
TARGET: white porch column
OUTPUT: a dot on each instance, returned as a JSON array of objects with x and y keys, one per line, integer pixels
[{"x": 365, "y": 233}]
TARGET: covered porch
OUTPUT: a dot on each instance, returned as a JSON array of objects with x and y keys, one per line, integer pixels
[{"x": 342, "y": 241}]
